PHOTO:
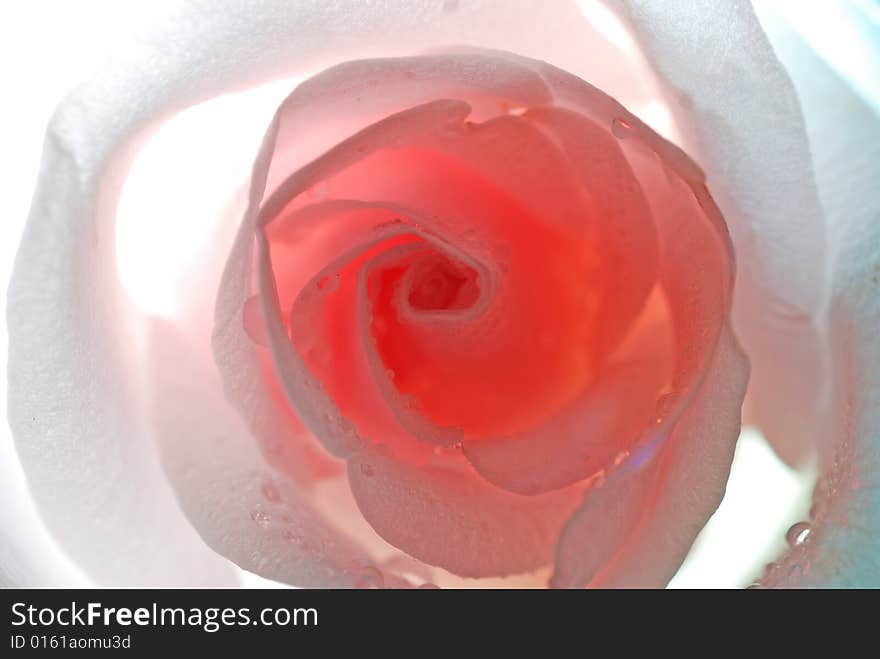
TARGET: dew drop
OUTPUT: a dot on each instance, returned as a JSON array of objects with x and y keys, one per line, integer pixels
[
  {"x": 369, "y": 577},
  {"x": 664, "y": 407},
  {"x": 410, "y": 402},
  {"x": 621, "y": 128},
  {"x": 798, "y": 533},
  {"x": 796, "y": 571},
  {"x": 347, "y": 428},
  {"x": 517, "y": 111},
  {"x": 261, "y": 517},
  {"x": 328, "y": 283}
]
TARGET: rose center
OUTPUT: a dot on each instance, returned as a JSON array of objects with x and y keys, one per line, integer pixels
[{"x": 438, "y": 284}]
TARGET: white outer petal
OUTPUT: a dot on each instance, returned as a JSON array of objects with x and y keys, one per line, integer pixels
[
  {"x": 843, "y": 548},
  {"x": 29, "y": 557}
]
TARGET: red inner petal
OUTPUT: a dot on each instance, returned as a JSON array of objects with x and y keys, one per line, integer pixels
[
  {"x": 505, "y": 369},
  {"x": 567, "y": 260}
]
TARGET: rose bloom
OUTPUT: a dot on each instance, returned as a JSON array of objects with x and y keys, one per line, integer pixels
[{"x": 491, "y": 309}]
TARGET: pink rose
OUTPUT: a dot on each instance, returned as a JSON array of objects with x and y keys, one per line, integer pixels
[{"x": 474, "y": 321}]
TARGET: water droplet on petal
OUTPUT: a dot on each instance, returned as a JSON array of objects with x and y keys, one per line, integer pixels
[
  {"x": 796, "y": 571},
  {"x": 621, "y": 128},
  {"x": 665, "y": 405},
  {"x": 369, "y": 577},
  {"x": 261, "y": 517},
  {"x": 798, "y": 533},
  {"x": 328, "y": 283},
  {"x": 517, "y": 111}
]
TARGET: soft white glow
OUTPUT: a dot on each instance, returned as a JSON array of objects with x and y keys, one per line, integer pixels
[
  {"x": 764, "y": 498},
  {"x": 656, "y": 114},
  {"x": 845, "y": 34},
  {"x": 251, "y": 580},
  {"x": 181, "y": 184},
  {"x": 608, "y": 24}
]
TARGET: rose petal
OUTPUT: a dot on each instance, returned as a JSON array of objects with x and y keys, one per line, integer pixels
[
  {"x": 843, "y": 546},
  {"x": 635, "y": 530},
  {"x": 331, "y": 94},
  {"x": 262, "y": 519},
  {"x": 72, "y": 395},
  {"x": 444, "y": 514},
  {"x": 747, "y": 132},
  {"x": 696, "y": 274},
  {"x": 627, "y": 230},
  {"x": 29, "y": 557},
  {"x": 465, "y": 210}
]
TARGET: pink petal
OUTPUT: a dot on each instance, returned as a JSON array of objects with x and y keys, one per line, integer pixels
[
  {"x": 267, "y": 521},
  {"x": 427, "y": 153},
  {"x": 635, "y": 530},
  {"x": 444, "y": 514}
]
